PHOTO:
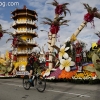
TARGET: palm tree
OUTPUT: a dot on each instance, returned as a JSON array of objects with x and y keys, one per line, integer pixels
[
  {"x": 92, "y": 12},
  {"x": 54, "y": 28},
  {"x": 60, "y": 8},
  {"x": 55, "y": 24},
  {"x": 16, "y": 40}
]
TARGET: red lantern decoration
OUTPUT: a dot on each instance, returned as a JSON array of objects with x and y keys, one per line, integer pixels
[
  {"x": 88, "y": 17},
  {"x": 59, "y": 9},
  {"x": 54, "y": 29}
]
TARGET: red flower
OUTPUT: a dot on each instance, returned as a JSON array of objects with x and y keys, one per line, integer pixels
[
  {"x": 88, "y": 17},
  {"x": 59, "y": 9},
  {"x": 1, "y": 35},
  {"x": 54, "y": 29}
]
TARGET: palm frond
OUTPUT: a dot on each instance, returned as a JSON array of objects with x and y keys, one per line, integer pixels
[
  {"x": 68, "y": 11},
  {"x": 64, "y": 24},
  {"x": 48, "y": 19},
  {"x": 98, "y": 34},
  {"x": 90, "y": 9},
  {"x": 10, "y": 33},
  {"x": 44, "y": 22},
  {"x": 95, "y": 9},
  {"x": 85, "y": 5},
  {"x": 59, "y": 18},
  {"x": 97, "y": 15},
  {"x": 65, "y": 4},
  {"x": 0, "y": 27},
  {"x": 64, "y": 21},
  {"x": 54, "y": 3},
  {"x": 9, "y": 39},
  {"x": 65, "y": 13}
]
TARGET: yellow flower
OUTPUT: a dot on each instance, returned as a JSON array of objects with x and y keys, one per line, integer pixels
[
  {"x": 66, "y": 64},
  {"x": 62, "y": 52},
  {"x": 73, "y": 38},
  {"x": 47, "y": 72}
]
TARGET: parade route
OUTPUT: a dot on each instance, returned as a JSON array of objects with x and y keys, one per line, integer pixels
[{"x": 60, "y": 90}]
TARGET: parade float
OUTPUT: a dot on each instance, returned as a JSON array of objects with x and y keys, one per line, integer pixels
[
  {"x": 5, "y": 62},
  {"x": 73, "y": 62},
  {"x": 72, "y": 65}
]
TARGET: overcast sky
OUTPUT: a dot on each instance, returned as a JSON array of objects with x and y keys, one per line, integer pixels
[{"x": 46, "y": 10}]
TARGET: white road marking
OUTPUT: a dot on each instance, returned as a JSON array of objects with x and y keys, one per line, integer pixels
[
  {"x": 12, "y": 84},
  {"x": 76, "y": 94},
  {"x": 69, "y": 93}
]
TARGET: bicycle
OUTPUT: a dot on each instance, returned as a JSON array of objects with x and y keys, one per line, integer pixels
[{"x": 38, "y": 81}]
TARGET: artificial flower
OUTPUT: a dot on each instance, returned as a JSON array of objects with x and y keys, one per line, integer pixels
[
  {"x": 63, "y": 53},
  {"x": 47, "y": 72},
  {"x": 66, "y": 63}
]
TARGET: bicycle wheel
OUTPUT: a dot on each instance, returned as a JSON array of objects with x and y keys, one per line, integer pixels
[
  {"x": 26, "y": 83},
  {"x": 40, "y": 83}
]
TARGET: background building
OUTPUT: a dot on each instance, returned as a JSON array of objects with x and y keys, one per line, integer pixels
[{"x": 25, "y": 26}]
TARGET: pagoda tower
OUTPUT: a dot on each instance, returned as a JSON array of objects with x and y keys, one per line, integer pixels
[{"x": 25, "y": 26}]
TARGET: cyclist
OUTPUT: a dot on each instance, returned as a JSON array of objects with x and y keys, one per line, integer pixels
[{"x": 30, "y": 65}]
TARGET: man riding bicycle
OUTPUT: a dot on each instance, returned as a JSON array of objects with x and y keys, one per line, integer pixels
[{"x": 30, "y": 65}]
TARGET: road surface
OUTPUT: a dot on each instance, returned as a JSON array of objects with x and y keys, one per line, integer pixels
[{"x": 12, "y": 89}]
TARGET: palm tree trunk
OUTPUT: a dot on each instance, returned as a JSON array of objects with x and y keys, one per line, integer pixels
[
  {"x": 79, "y": 29},
  {"x": 53, "y": 40},
  {"x": 49, "y": 40},
  {"x": 56, "y": 16},
  {"x": 51, "y": 48}
]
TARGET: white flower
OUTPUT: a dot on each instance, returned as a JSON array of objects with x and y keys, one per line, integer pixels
[
  {"x": 67, "y": 69},
  {"x": 66, "y": 64},
  {"x": 62, "y": 52}
]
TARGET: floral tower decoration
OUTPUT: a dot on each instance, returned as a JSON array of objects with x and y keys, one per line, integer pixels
[
  {"x": 23, "y": 40},
  {"x": 55, "y": 27}
]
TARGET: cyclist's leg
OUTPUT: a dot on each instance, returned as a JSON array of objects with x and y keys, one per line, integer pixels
[
  {"x": 30, "y": 73},
  {"x": 28, "y": 68}
]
